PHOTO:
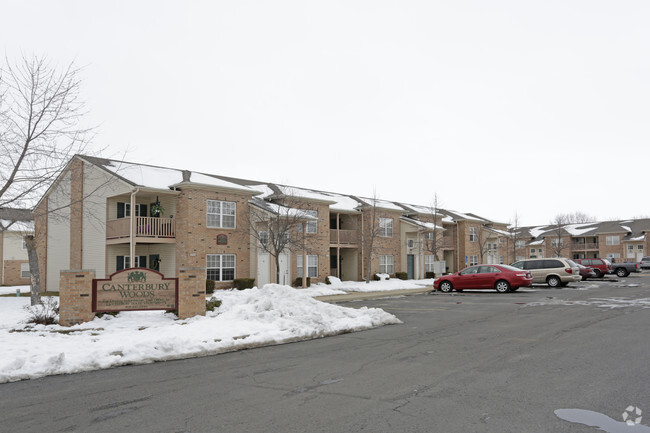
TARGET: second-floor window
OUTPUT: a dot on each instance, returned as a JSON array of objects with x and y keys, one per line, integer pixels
[
  {"x": 221, "y": 214},
  {"x": 520, "y": 244},
  {"x": 473, "y": 234},
  {"x": 124, "y": 209},
  {"x": 386, "y": 227},
  {"x": 612, "y": 240},
  {"x": 557, "y": 242},
  {"x": 312, "y": 226}
]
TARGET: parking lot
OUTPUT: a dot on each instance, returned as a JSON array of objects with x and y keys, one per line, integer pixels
[{"x": 460, "y": 362}]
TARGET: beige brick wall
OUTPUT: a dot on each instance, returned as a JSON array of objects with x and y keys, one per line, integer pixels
[
  {"x": 382, "y": 245},
  {"x": 76, "y": 169},
  {"x": 40, "y": 238},
  {"x": 316, "y": 243},
  {"x": 191, "y": 292},
  {"x": 75, "y": 297},
  {"x": 12, "y": 274},
  {"x": 194, "y": 240}
]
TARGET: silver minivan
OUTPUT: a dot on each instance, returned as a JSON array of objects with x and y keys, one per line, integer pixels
[{"x": 554, "y": 272}]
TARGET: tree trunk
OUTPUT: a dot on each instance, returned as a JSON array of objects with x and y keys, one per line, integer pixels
[{"x": 34, "y": 272}]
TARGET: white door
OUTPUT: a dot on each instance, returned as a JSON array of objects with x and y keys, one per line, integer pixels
[
  {"x": 283, "y": 259},
  {"x": 263, "y": 270}
]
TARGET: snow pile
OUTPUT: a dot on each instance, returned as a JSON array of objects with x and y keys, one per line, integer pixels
[
  {"x": 273, "y": 314},
  {"x": 610, "y": 303},
  {"x": 385, "y": 284}
]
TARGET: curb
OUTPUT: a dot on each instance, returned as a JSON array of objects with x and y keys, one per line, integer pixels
[{"x": 359, "y": 296}]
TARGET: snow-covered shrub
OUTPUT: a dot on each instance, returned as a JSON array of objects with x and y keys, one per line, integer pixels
[{"x": 45, "y": 312}]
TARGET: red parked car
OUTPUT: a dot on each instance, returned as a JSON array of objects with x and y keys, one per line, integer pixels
[
  {"x": 601, "y": 267},
  {"x": 502, "y": 278}
]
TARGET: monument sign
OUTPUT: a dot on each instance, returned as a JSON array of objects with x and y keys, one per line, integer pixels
[{"x": 134, "y": 289}]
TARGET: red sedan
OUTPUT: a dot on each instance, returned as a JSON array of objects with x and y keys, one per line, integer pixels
[{"x": 502, "y": 278}]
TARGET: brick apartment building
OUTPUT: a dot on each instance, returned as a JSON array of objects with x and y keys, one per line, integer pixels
[
  {"x": 108, "y": 215},
  {"x": 14, "y": 265}
]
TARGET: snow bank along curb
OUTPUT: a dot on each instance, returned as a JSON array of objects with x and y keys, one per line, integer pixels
[{"x": 251, "y": 318}]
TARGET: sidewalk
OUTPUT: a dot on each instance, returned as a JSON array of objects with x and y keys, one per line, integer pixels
[{"x": 358, "y": 296}]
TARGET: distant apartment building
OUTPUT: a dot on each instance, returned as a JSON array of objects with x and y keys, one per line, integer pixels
[{"x": 14, "y": 225}]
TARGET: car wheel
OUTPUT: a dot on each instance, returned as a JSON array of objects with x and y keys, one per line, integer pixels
[
  {"x": 446, "y": 287},
  {"x": 622, "y": 272},
  {"x": 598, "y": 273},
  {"x": 502, "y": 286},
  {"x": 553, "y": 281}
]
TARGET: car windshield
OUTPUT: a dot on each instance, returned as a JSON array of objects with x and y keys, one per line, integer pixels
[
  {"x": 572, "y": 263},
  {"x": 510, "y": 268}
]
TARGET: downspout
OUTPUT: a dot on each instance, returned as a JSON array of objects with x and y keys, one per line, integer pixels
[{"x": 132, "y": 231}]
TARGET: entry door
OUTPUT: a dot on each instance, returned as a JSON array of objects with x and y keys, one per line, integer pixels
[
  {"x": 410, "y": 266},
  {"x": 263, "y": 270},
  {"x": 154, "y": 262},
  {"x": 283, "y": 259}
]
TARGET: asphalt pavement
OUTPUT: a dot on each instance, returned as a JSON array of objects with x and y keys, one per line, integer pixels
[{"x": 461, "y": 362}]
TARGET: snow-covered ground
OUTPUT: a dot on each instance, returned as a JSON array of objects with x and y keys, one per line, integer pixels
[
  {"x": 271, "y": 315},
  {"x": 338, "y": 287},
  {"x": 4, "y": 290}
]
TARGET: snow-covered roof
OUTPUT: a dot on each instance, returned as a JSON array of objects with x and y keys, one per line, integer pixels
[
  {"x": 580, "y": 229},
  {"x": 384, "y": 204},
  {"x": 336, "y": 201},
  {"x": 537, "y": 231},
  {"x": 537, "y": 242},
  {"x": 424, "y": 225},
  {"x": 626, "y": 228}
]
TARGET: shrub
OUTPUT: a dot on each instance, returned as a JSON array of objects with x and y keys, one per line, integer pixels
[
  {"x": 209, "y": 286},
  {"x": 402, "y": 275},
  {"x": 298, "y": 282},
  {"x": 327, "y": 280},
  {"x": 244, "y": 283},
  {"x": 211, "y": 304},
  {"x": 108, "y": 313},
  {"x": 375, "y": 277},
  {"x": 46, "y": 312},
  {"x": 429, "y": 274}
]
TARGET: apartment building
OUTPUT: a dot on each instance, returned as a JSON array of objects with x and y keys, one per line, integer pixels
[
  {"x": 108, "y": 215},
  {"x": 14, "y": 225},
  {"x": 623, "y": 240}
]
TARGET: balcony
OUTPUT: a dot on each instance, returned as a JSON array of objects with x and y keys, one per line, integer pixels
[
  {"x": 584, "y": 247},
  {"x": 344, "y": 238},
  {"x": 147, "y": 230}
]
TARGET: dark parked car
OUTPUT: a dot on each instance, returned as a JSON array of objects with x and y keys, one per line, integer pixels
[
  {"x": 602, "y": 267},
  {"x": 587, "y": 272},
  {"x": 502, "y": 278}
]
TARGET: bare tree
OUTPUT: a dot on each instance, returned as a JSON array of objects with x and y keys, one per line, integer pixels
[
  {"x": 370, "y": 232},
  {"x": 483, "y": 237},
  {"x": 40, "y": 130},
  {"x": 279, "y": 228},
  {"x": 578, "y": 218},
  {"x": 433, "y": 241},
  {"x": 515, "y": 236},
  {"x": 558, "y": 225}
]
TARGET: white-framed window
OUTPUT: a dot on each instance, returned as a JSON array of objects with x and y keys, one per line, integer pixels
[
  {"x": 220, "y": 267},
  {"x": 492, "y": 247},
  {"x": 473, "y": 260},
  {"x": 386, "y": 227},
  {"x": 520, "y": 244},
  {"x": 473, "y": 234},
  {"x": 386, "y": 264},
  {"x": 311, "y": 226},
  {"x": 428, "y": 263},
  {"x": 124, "y": 209},
  {"x": 639, "y": 247},
  {"x": 614, "y": 255},
  {"x": 501, "y": 260},
  {"x": 429, "y": 236},
  {"x": 24, "y": 270},
  {"x": 500, "y": 240},
  {"x": 410, "y": 243},
  {"x": 630, "y": 247},
  {"x": 221, "y": 214},
  {"x": 312, "y": 265},
  {"x": 612, "y": 240},
  {"x": 263, "y": 238},
  {"x": 557, "y": 242},
  {"x": 124, "y": 262}
]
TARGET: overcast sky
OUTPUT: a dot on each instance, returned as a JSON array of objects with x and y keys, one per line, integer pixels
[{"x": 533, "y": 107}]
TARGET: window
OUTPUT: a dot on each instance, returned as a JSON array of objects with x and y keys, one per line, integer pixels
[
  {"x": 473, "y": 234},
  {"x": 428, "y": 236},
  {"x": 501, "y": 240},
  {"x": 520, "y": 244},
  {"x": 410, "y": 243},
  {"x": 221, "y": 214},
  {"x": 630, "y": 247},
  {"x": 615, "y": 255},
  {"x": 24, "y": 270},
  {"x": 501, "y": 260},
  {"x": 473, "y": 260},
  {"x": 264, "y": 238},
  {"x": 428, "y": 263},
  {"x": 311, "y": 226},
  {"x": 124, "y": 262},
  {"x": 612, "y": 240},
  {"x": 124, "y": 210},
  {"x": 492, "y": 247},
  {"x": 220, "y": 267},
  {"x": 386, "y": 263},
  {"x": 386, "y": 227},
  {"x": 639, "y": 247},
  {"x": 312, "y": 265},
  {"x": 556, "y": 242}
]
